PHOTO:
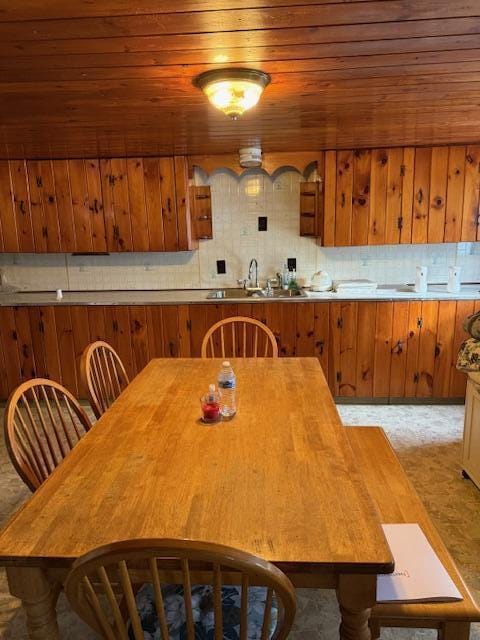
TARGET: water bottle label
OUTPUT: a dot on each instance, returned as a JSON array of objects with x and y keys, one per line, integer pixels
[{"x": 226, "y": 384}]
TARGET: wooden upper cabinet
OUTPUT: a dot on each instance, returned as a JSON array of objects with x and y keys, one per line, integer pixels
[
  {"x": 402, "y": 195},
  {"x": 146, "y": 204},
  {"x": 201, "y": 209}
]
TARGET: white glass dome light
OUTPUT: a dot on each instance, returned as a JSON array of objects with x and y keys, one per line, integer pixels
[{"x": 233, "y": 91}]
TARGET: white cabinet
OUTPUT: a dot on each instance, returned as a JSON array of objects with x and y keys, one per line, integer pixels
[{"x": 471, "y": 434}]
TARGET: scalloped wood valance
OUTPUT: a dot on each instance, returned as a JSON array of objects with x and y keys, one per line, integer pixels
[{"x": 272, "y": 162}]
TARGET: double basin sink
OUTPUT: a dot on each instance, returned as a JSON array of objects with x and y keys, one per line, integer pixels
[{"x": 225, "y": 294}]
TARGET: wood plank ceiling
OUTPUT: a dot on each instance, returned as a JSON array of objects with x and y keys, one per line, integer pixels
[{"x": 114, "y": 77}]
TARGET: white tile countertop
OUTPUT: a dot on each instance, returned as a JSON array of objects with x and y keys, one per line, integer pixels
[{"x": 196, "y": 296}]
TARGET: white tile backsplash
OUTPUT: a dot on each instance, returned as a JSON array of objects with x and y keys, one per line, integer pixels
[{"x": 237, "y": 202}]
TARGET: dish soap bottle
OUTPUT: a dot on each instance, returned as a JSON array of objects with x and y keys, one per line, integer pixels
[{"x": 227, "y": 386}]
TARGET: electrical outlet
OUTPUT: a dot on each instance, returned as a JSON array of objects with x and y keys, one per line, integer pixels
[
  {"x": 292, "y": 264},
  {"x": 262, "y": 223},
  {"x": 221, "y": 267}
]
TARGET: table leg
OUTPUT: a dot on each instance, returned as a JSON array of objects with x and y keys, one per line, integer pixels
[
  {"x": 356, "y": 597},
  {"x": 38, "y": 597}
]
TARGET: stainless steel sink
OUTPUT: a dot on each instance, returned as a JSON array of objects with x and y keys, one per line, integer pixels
[{"x": 229, "y": 294}]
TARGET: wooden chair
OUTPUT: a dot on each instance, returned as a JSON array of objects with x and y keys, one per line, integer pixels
[
  {"x": 239, "y": 336},
  {"x": 103, "y": 374},
  {"x": 103, "y": 589},
  {"x": 43, "y": 422}
]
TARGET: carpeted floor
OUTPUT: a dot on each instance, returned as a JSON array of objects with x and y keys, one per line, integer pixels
[{"x": 428, "y": 441}]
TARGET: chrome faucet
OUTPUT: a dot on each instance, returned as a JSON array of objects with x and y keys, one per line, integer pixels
[{"x": 253, "y": 263}]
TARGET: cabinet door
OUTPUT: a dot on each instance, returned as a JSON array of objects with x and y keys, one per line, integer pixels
[
  {"x": 378, "y": 196},
  {"x": 399, "y": 344},
  {"x": 361, "y": 196},
  {"x": 116, "y": 204},
  {"x": 153, "y": 203},
  {"x": 438, "y": 194},
  {"x": 344, "y": 191},
  {"x": 393, "y": 213},
  {"x": 444, "y": 348},
  {"x": 421, "y": 188},
  {"x": 426, "y": 349},
  {"x": 87, "y": 206},
  {"x": 21, "y": 206},
  {"x": 383, "y": 349},
  {"x": 186, "y": 241},
  {"x": 43, "y": 204},
  {"x": 169, "y": 209},
  {"x": 343, "y": 332},
  {"x": 471, "y": 204},
  {"x": 9, "y": 240},
  {"x": 365, "y": 349},
  {"x": 455, "y": 193},
  {"x": 201, "y": 206}
]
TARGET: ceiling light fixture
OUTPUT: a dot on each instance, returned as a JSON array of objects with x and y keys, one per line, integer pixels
[{"x": 233, "y": 91}]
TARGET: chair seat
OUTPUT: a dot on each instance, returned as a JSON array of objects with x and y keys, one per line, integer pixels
[{"x": 203, "y": 615}]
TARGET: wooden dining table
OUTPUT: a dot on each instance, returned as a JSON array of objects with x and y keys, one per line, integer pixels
[{"x": 278, "y": 480}]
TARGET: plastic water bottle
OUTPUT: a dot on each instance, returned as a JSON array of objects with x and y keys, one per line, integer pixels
[{"x": 227, "y": 384}]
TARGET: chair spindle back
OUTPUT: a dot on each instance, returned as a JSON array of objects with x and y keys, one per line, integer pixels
[{"x": 239, "y": 337}]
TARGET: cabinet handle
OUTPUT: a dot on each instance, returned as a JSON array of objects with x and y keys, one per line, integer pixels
[
  {"x": 339, "y": 376},
  {"x": 416, "y": 377},
  {"x": 420, "y": 196},
  {"x": 306, "y": 214},
  {"x": 419, "y": 323},
  {"x": 204, "y": 218},
  {"x": 340, "y": 323},
  {"x": 400, "y": 223}
]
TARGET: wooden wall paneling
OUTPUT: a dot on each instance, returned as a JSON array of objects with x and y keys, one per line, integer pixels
[
  {"x": 24, "y": 342},
  {"x": 398, "y": 359},
  {"x": 458, "y": 379},
  {"x": 81, "y": 338},
  {"x": 321, "y": 337},
  {"x": 156, "y": 343},
  {"x": 66, "y": 348},
  {"x": 413, "y": 340},
  {"x": 426, "y": 350},
  {"x": 455, "y": 192},
  {"x": 365, "y": 348},
  {"x": 137, "y": 204},
  {"x": 423, "y": 159},
  {"x": 9, "y": 338},
  {"x": 329, "y": 199},
  {"x": 153, "y": 204},
  {"x": 378, "y": 197},
  {"x": 63, "y": 195},
  {"x": 21, "y": 202},
  {"x": 393, "y": 210},
  {"x": 95, "y": 205},
  {"x": 186, "y": 241},
  {"x": 407, "y": 169},
  {"x": 444, "y": 348},
  {"x": 305, "y": 334},
  {"x": 169, "y": 211},
  {"x": 140, "y": 337},
  {"x": 81, "y": 212},
  {"x": 471, "y": 204},
  {"x": 361, "y": 196},
  {"x": 117, "y": 327},
  {"x": 9, "y": 240},
  {"x": 344, "y": 191},
  {"x": 43, "y": 203},
  {"x": 438, "y": 194},
  {"x": 383, "y": 349}
]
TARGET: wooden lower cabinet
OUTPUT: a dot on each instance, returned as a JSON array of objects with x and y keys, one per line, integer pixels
[{"x": 382, "y": 350}]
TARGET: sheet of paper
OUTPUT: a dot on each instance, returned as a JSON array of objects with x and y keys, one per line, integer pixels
[{"x": 419, "y": 575}]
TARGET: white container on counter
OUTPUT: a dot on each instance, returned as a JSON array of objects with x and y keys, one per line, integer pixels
[
  {"x": 453, "y": 284},
  {"x": 421, "y": 274}
]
